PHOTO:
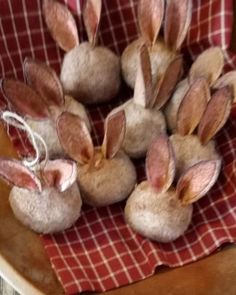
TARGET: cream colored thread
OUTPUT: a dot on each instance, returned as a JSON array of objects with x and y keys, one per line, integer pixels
[{"x": 14, "y": 120}]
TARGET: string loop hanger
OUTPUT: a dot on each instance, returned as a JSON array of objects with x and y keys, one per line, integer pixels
[{"x": 17, "y": 121}]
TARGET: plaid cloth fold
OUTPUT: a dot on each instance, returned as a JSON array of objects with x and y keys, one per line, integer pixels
[{"x": 101, "y": 252}]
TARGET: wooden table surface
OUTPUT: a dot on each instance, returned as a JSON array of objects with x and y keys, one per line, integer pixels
[{"x": 24, "y": 263}]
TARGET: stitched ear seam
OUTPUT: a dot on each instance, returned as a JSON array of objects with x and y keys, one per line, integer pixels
[
  {"x": 92, "y": 16},
  {"x": 165, "y": 85},
  {"x": 160, "y": 164},
  {"x": 197, "y": 181},
  {"x": 44, "y": 80},
  {"x": 216, "y": 114},
  {"x": 15, "y": 173},
  {"x": 61, "y": 24},
  {"x": 177, "y": 22},
  {"x": 114, "y": 132},
  {"x": 59, "y": 173},
  {"x": 24, "y": 99},
  {"x": 75, "y": 138},
  {"x": 150, "y": 16}
]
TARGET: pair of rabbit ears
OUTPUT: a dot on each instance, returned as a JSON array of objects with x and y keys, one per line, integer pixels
[
  {"x": 44, "y": 90},
  {"x": 199, "y": 108},
  {"x": 194, "y": 183},
  {"x": 62, "y": 25},
  {"x": 77, "y": 142},
  {"x": 60, "y": 174},
  {"x": 177, "y": 20},
  {"x": 145, "y": 93}
]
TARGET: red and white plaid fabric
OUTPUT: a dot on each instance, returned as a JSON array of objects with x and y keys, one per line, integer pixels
[{"x": 101, "y": 252}]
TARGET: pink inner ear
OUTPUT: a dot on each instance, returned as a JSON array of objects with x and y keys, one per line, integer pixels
[
  {"x": 197, "y": 181},
  {"x": 216, "y": 114},
  {"x": 143, "y": 85},
  {"x": 92, "y": 15},
  {"x": 24, "y": 99},
  {"x": 114, "y": 134},
  {"x": 15, "y": 173},
  {"x": 44, "y": 81},
  {"x": 160, "y": 164},
  {"x": 60, "y": 174},
  {"x": 209, "y": 65},
  {"x": 168, "y": 82},
  {"x": 177, "y": 22},
  {"x": 61, "y": 24},
  {"x": 75, "y": 138},
  {"x": 150, "y": 15},
  {"x": 192, "y": 107}
]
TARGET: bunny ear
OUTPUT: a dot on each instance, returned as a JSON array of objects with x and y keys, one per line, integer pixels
[
  {"x": 150, "y": 16},
  {"x": 60, "y": 174},
  {"x": 227, "y": 79},
  {"x": 114, "y": 134},
  {"x": 192, "y": 107},
  {"x": 168, "y": 82},
  {"x": 143, "y": 84},
  {"x": 197, "y": 181},
  {"x": 209, "y": 65},
  {"x": 75, "y": 138},
  {"x": 177, "y": 22},
  {"x": 15, "y": 173},
  {"x": 24, "y": 99},
  {"x": 44, "y": 81},
  {"x": 61, "y": 24},
  {"x": 160, "y": 164},
  {"x": 92, "y": 16},
  {"x": 216, "y": 114}
]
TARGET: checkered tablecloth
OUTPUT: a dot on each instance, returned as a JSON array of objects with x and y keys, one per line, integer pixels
[{"x": 101, "y": 252}]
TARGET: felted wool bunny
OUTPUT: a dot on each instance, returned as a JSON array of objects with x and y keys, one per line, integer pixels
[
  {"x": 42, "y": 101},
  {"x": 144, "y": 120},
  {"x": 158, "y": 209},
  {"x": 89, "y": 73},
  {"x": 105, "y": 173},
  {"x": 208, "y": 65},
  {"x": 209, "y": 114},
  {"x": 45, "y": 196},
  {"x": 162, "y": 52}
]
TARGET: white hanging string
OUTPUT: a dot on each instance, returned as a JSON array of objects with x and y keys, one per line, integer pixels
[{"x": 18, "y": 122}]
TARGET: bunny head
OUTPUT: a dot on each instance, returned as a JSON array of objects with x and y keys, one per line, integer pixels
[
  {"x": 89, "y": 73},
  {"x": 159, "y": 210},
  {"x": 46, "y": 200},
  {"x": 208, "y": 65},
  {"x": 41, "y": 101},
  {"x": 105, "y": 174},
  {"x": 142, "y": 111},
  {"x": 208, "y": 114},
  {"x": 45, "y": 195},
  {"x": 150, "y": 17}
]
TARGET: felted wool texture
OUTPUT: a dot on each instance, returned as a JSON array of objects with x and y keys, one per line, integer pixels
[
  {"x": 142, "y": 126},
  {"x": 47, "y": 128},
  {"x": 188, "y": 151},
  {"x": 91, "y": 74},
  {"x": 160, "y": 57},
  {"x": 157, "y": 216},
  {"x": 110, "y": 182},
  {"x": 49, "y": 211}
]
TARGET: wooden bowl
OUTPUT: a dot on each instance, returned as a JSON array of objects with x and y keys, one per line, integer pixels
[{"x": 24, "y": 264}]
